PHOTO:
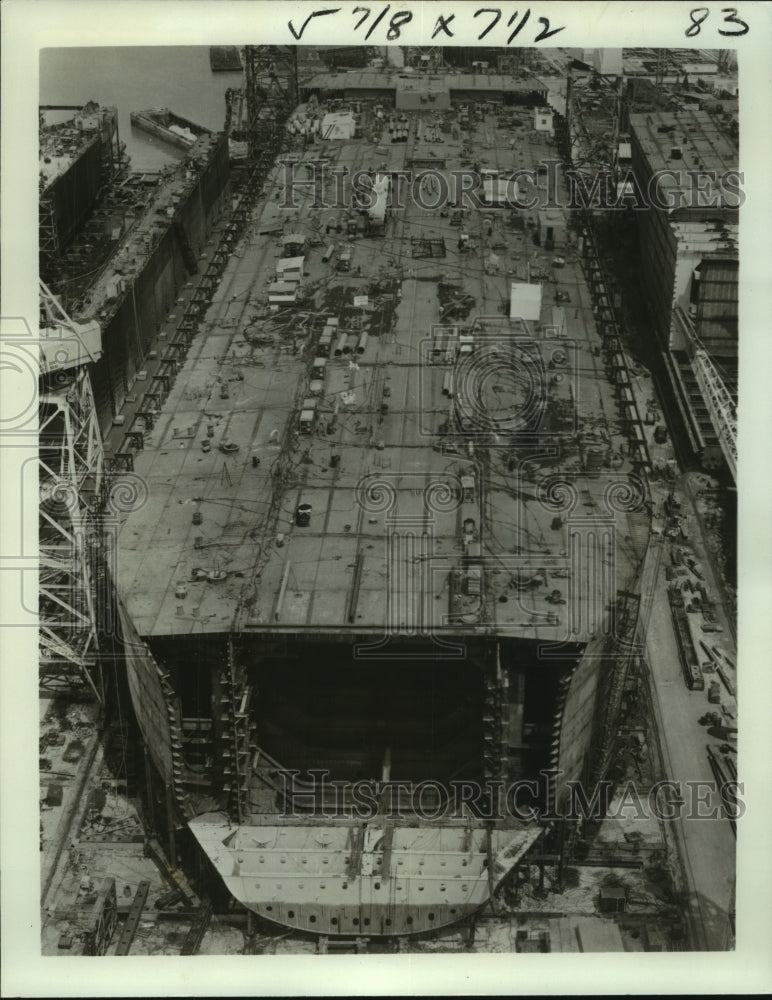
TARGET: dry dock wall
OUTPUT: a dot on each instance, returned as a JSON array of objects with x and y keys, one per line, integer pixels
[
  {"x": 127, "y": 338},
  {"x": 147, "y": 300}
]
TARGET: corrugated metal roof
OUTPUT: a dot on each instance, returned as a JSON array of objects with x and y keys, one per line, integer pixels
[{"x": 700, "y": 137}]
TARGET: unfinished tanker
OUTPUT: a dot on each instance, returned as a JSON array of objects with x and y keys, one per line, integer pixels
[{"x": 395, "y": 520}]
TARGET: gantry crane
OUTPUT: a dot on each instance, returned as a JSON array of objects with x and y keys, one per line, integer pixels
[
  {"x": 271, "y": 84},
  {"x": 71, "y": 484}
]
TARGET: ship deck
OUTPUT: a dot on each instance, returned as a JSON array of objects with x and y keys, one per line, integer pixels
[
  {"x": 63, "y": 142},
  {"x": 389, "y": 545}
]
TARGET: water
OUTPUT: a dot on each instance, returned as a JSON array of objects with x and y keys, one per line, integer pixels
[{"x": 135, "y": 78}]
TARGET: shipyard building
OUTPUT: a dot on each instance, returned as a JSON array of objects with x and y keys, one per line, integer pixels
[{"x": 689, "y": 260}]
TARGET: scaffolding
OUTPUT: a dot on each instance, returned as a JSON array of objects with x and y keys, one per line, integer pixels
[
  {"x": 49, "y": 234},
  {"x": 623, "y": 652},
  {"x": 71, "y": 484}
]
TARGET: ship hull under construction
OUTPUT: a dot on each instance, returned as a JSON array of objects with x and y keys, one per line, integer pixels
[
  {"x": 394, "y": 529},
  {"x": 370, "y": 807}
]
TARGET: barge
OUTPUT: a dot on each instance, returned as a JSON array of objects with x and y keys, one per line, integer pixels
[
  {"x": 169, "y": 127},
  {"x": 225, "y": 59}
]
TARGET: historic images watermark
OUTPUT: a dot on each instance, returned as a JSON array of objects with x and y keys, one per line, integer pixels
[
  {"x": 533, "y": 800},
  {"x": 335, "y": 186}
]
